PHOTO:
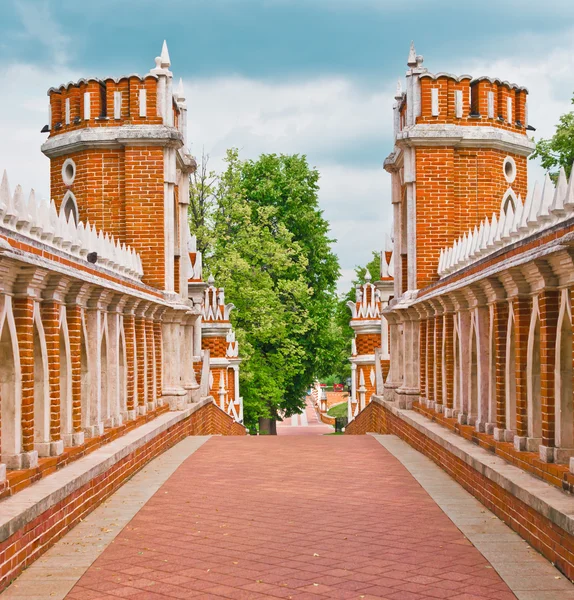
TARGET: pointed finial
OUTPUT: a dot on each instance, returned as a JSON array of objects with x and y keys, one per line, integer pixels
[
  {"x": 367, "y": 276},
  {"x": 412, "y": 60},
  {"x": 181, "y": 91},
  {"x": 399, "y": 92},
  {"x": 165, "y": 60},
  {"x": 5, "y": 191},
  {"x": 211, "y": 280}
]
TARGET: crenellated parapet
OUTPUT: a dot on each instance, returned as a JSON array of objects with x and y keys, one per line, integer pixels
[{"x": 546, "y": 205}]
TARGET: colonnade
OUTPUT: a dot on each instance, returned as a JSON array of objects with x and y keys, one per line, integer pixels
[{"x": 496, "y": 354}]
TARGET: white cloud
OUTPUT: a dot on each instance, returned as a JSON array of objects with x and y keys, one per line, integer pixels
[
  {"x": 322, "y": 118},
  {"x": 23, "y": 113},
  {"x": 40, "y": 26},
  {"x": 307, "y": 117}
]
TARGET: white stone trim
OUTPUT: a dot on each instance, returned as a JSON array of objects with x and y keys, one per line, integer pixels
[
  {"x": 463, "y": 136},
  {"x": 458, "y": 103},
  {"x": 117, "y": 106},
  {"x": 143, "y": 102},
  {"x": 68, "y": 171},
  {"x": 112, "y": 137},
  {"x": 434, "y": 102},
  {"x": 87, "y": 106},
  {"x": 490, "y": 99},
  {"x": 509, "y": 169}
]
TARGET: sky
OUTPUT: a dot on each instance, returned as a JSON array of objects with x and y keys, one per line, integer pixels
[{"x": 313, "y": 77}]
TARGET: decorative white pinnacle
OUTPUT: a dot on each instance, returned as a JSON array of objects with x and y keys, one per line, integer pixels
[
  {"x": 545, "y": 205},
  {"x": 39, "y": 220},
  {"x": 412, "y": 60},
  {"x": 181, "y": 91},
  {"x": 165, "y": 60}
]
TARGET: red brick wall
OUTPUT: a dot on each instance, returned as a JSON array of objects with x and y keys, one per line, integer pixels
[
  {"x": 456, "y": 190},
  {"x": 144, "y": 202},
  {"x": 30, "y": 542},
  {"x": 550, "y": 540},
  {"x": 23, "y": 316},
  {"x": 217, "y": 346},
  {"x": 99, "y": 188}
]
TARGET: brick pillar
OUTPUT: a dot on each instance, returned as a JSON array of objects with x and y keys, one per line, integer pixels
[
  {"x": 430, "y": 358},
  {"x": 129, "y": 333},
  {"x": 438, "y": 361},
  {"x": 24, "y": 320},
  {"x": 150, "y": 364},
  {"x": 522, "y": 312},
  {"x": 423, "y": 357},
  {"x": 449, "y": 360},
  {"x": 549, "y": 304},
  {"x": 74, "y": 320},
  {"x": 141, "y": 364},
  {"x": 158, "y": 359},
  {"x": 500, "y": 331},
  {"x": 51, "y": 322}
]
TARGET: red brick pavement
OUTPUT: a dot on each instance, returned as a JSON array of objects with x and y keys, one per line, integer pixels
[{"x": 291, "y": 517}]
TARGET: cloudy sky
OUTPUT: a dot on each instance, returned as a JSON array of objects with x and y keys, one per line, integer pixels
[{"x": 314, "y": 77}]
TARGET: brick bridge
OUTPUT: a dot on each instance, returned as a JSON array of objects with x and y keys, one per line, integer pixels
[{"x": 304, "y": 515}]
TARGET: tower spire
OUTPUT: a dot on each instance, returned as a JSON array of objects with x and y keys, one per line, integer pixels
[
  {"x": 412, "y": 60},
  {"x": 165, "y": 60}
]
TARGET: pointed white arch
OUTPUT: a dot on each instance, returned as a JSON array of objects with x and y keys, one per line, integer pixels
[
  {"x": 10, "y": 384},
  {"x": 533, "y": 404},
  {"x": 66, "y": 404},
  {"x": 510, "y": 372},
  {"x": 69, "y": 206},
  {"x": 564, "y": 417},
  {"x": 42, "y": 399}
]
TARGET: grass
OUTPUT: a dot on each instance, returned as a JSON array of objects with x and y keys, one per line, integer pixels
[{"x": 338, "y": 410}]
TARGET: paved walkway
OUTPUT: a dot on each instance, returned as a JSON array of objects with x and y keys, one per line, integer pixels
[
  {"x": 305, "y": 423},
  {"x": 291, "y": 517}
]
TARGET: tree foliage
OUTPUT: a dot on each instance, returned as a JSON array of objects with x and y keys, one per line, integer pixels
[
  {"x": 558, "y": 151},
  {"x": 268, "y": 244}
]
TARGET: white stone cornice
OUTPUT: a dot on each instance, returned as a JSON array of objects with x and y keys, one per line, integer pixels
[
  {"x": 539, "y": 275},
  {"x": 78, "y": 294},
  {"x": 112, "y": 137},
  {"x": 99, "y": 298},
  {"x": 56, "y": 288},
  {"x": 30, "y": 281},
  {"x": 562, "y": 264},
  {"x": 465, "y": 137},
  {"x": 515, "y": 283}
]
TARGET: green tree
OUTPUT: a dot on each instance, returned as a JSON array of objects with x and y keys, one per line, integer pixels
[
  {"x": 203, "y": 186},
  {"x": 558, "y": 151},
  {"x": 265, "y": 230}
]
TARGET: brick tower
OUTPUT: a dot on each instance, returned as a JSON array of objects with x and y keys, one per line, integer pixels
[
  {"x": 218, "y": 339},
  {"x": 118, "y": 159},
  {"x": 366, "y": 323},
  {"x": 460, "y": 146}
]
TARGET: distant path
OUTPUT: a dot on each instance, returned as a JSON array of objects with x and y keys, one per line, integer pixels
[{"x": 306, "y": 423}]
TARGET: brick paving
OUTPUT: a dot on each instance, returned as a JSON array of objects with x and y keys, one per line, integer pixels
[{"x": 291, "y": 517}]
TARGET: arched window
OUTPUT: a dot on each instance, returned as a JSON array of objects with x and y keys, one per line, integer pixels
[
  {"x": 70, "y": 207},
  {"x": 509, "y": 199}
]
